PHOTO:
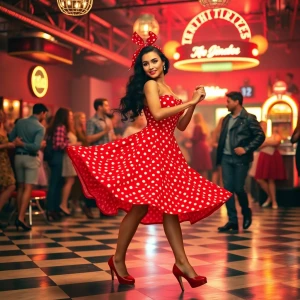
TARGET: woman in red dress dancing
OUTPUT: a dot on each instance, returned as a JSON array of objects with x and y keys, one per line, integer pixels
[{"x": 146, "y": 174}]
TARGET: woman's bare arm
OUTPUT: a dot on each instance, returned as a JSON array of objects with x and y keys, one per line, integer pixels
[
  {"x": 159, "y": 113},
  {"x": 185, "y": 119}
]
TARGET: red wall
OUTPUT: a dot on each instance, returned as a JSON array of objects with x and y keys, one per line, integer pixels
[{"x": 14, "y": 74}]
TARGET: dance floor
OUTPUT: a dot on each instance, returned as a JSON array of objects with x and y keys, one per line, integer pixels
[{"x": 68, "y": 260}]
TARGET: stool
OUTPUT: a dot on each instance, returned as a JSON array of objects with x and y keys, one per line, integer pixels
[{"x": 35, "y": 198}]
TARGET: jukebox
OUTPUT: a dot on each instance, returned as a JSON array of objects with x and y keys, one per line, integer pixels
[{"x": 280, "y": 112}]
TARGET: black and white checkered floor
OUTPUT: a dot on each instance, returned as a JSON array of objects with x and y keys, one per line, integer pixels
[{"x": 68, "y": 260}]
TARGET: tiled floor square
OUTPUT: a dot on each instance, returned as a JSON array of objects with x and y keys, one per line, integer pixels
[
  {"x": 45, "y": 293},
  {"x": 80, "y": 278},
  {"x": 25, "y": 273},
  {"x": 61, "y": 262},
  {"x": 266, "y": 291},
  {"x": 72, "y": 269},
  {"x": 25, "y": 283},
  {"x": 14, "y": 258},
  {"x": 6, "y": 266},
  {"x": 53, "y": 256}
]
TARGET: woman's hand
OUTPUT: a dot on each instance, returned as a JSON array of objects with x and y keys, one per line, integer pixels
[
  {"x": 43, "y": 144},
  {"x": 10, "y": 145},
  {"x": 198, "y": 95},
  {"x": 18, "y": 142}
]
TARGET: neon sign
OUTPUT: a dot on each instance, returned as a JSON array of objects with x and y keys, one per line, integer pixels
[
  {"x": 39, "y": 81},
  {"x": 214, "y": 92},
  {"x": 213, "y": 14},
  {"x": 279, "y": 87},
  {"x": 214, "y": 50},
  {"x": 216, "y": 56}
]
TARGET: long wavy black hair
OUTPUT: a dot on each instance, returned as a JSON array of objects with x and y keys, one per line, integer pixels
[{"x": 132, "y": 103}]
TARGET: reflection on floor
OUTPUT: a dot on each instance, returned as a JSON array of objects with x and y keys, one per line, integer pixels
[{"x": 68, "y": 260}]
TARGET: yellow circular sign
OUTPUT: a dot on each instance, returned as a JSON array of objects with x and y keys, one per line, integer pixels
[{"x": 39, "y": 81}]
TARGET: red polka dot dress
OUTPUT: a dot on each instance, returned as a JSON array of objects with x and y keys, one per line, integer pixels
[{"x": 147, "y": 168}]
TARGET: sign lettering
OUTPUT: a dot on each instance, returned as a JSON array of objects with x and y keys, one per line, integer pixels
[
  {"x": 213, "y": 92},
  {"x": 214, "y": 50},
  {"x": 213, "y": 14}
]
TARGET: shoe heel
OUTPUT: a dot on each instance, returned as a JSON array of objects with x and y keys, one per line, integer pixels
[
  {"x": 17, "y": 224},
  {"x": 179, "y": 278},
  {"x": 122, "y": 280},
  {"x": 112, "y": 274},
  {"x": 193, "y": 282}
]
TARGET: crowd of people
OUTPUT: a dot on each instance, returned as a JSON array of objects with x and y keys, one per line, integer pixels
[
  {"x": 32, "y": 155},
  {"x": 45, "y": 163}
]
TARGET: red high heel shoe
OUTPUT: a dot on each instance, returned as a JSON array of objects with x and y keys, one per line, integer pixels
[
  {"x": 122, "y": 280},
  {"x": 194, "y": 282}
]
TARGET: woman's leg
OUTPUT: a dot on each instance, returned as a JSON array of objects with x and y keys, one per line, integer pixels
[
  {"x": 220, "y": 176},
  {"x": 265, "y": 186},
  {"x": 55, "y": 183},
  {"x": 75, "y": 195},
  {"x": 127, "y": 230},
  {"x": 215, "y": 177},
  {"x": 69, "y": 181},
  {"x": 174, "y": 235},
  {"x": 4, "y": 196},
  {"x": 25, "y": 201},
  {"x": 272, "y": 189},
  {"x": 204, "y": 174},
  {"x": 20, "y": 192}
]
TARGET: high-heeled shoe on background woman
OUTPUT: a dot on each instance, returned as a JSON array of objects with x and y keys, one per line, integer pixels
[
  {"x": 267, "y": 203},
  {"x": 18, "y": 224},
  {"x": 65, "y": 213},
  {"x": 194, "y": 282},
  {"x": 122, "y": 280}
]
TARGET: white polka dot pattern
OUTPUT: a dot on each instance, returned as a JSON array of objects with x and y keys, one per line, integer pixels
[{"x": 147, "y": 168}]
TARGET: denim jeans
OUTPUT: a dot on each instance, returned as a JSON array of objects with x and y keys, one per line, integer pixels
[
  {"x": 56, "y": 182},
  {"x": 234, "y": 176}
]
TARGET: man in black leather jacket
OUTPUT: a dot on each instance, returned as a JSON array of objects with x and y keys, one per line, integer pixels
[{"x": 240, "y": 136}]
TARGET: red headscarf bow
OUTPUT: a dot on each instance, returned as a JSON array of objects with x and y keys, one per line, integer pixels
[{"x": 140, "y": 42}]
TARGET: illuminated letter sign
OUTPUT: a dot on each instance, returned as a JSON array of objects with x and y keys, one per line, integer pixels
[
  {"x": 39, "y": 81},
  {"x": 216, "y": 56},
  {"x": 214, "y": 92},
  {"x": 213, "y": 14},
  {"x": 214, "y": 50}
]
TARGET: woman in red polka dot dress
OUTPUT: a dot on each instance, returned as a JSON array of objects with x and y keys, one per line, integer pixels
[{"x": 146, "y": 174}]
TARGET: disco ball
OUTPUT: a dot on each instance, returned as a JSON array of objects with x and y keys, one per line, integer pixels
[{"x": 75, "y": 7}]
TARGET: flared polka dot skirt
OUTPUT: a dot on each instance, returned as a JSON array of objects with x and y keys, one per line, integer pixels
[{"x": 147, "y": 168}]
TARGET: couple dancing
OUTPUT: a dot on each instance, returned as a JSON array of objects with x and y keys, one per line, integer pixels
[{"x": 146, "y": 174}]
